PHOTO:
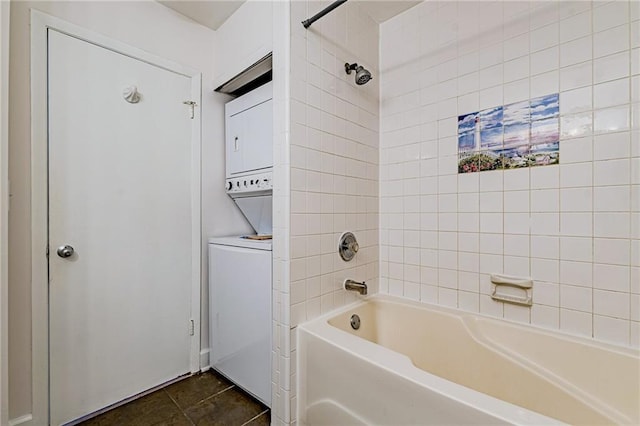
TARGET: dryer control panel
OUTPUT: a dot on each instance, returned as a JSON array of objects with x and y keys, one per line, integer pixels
[{"x": 259, "y": 182}]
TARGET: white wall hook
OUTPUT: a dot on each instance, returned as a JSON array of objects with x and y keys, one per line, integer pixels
[{"x": 131, "y": 94}]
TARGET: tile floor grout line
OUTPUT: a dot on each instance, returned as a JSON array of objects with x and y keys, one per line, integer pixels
[
  {"x": 179, "y": 407},
  {"x": 255, "y": 417},
  {"x": 215, "y": 394}
]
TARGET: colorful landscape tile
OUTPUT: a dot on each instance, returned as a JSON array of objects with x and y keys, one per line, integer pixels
[
  {"x": 467, "y": 122},
  {"x": 522, "y": 134},
  {"x": 545, "y": 131},
  {"x": 544, "y": 154},
  {"x": 516, "y": 134},
  {"x": 466, "y": 141},
  {"x": 490, "y": 118},
  {"x": 489, "y": 160},
  {"x": 517, "y": 113},
  {"x": 516, "y": 157},
  {"x": 491, "y": 137},
  {"x": 545, "y": 107},
  {"x": 467, "y": 162}
]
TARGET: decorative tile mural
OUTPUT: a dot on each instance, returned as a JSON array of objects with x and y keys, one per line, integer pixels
[{"x": 522, "y": 134}]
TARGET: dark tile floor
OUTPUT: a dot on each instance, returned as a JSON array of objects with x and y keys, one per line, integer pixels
[{"x": 202, "y": 399}]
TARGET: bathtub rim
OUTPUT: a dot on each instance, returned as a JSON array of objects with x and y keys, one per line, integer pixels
[
  {"x": 576, "y": 338},
  {"x": 403, "y": 366}
]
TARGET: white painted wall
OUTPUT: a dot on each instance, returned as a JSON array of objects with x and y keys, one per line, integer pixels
[
  {"x": 243, "y": 39},
  {"x": 4, "y": 197},
  {"x": 146, "y": 25}
]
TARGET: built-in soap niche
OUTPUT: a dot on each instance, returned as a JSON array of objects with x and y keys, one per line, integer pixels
[{"x": 522, "y": 134}]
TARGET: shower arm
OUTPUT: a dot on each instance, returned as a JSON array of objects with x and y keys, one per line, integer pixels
[{"x": 307, "y": 22}]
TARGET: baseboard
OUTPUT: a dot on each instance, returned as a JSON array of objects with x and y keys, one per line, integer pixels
[
  {"x": 204, "y": 359},
  {"x": 20, "y": 420}
]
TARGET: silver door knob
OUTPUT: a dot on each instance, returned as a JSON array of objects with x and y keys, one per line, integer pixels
[{"x": 65, "y": 251}]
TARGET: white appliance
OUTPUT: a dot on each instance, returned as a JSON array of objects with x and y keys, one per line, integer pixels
[
  {"x": 240, "y": 312},
  {"x": 240, "y": 268},
  {"x": 249, "y": 155}
]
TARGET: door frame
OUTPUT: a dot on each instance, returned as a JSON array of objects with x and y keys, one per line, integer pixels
[
  {"x": 40, "y": 25},
  {"x": 4, "y": 210}
]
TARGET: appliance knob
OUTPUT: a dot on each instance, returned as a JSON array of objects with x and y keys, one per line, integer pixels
[{"x": 229, "y": 186}]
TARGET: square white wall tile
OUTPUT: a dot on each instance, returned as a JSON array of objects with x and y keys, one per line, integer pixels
[
  {"x": 611, "y": 67},
  {"x": 576, "y": 224},
  {"x": 576, "y": 298},
  {"x": 611, "y": 251},
  {"x": 576, "y": 150},
  {"x": 611, "y": 277},
  {"x": 610, "y": 329},
  {"x": 576, "y": 322},
  {"x": 545, "y": 247},
  {"x": 611, "y": 225},
  {"x": 576, "y": 100},
  {"x": 611, "y": 93},
  {"x": 545, "y": 316},
  {"x": 611, "y": 146},
  {"x": 569, "y": 226},
  {"x": 612, "y": 172},
  {"x": 546, "y": 293},
  {"x": 576, "y": 273},
  {"x": 578, "y": 249},
  {"x": 516, "y": 201},
  {"x": 613, "y": 304},
  {"x": 576, "y": 199},
  {"x": 546, "y": 270},
  {"x": 611, "y": 41}
]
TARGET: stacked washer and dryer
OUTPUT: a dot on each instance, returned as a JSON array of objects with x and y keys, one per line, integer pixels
[{"x": 240, "y": 266}]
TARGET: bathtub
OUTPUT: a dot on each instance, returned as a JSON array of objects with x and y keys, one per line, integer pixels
[{"x": 416, "y": 364}]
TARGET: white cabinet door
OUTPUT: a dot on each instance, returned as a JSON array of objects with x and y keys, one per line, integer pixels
[
  {"x": 258, "y": 127},
  {"x": 249, "y": 133},
  {"x": 235, "y": 142}
]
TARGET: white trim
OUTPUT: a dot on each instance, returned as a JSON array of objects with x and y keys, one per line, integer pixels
[
  {"x": 20, "y": 420},
  {"x": 204, "y": 359},
  {"x": 196, "y": 221},
  {"x": 40, "y": 23},
  {"x": 4, "y": 210}
]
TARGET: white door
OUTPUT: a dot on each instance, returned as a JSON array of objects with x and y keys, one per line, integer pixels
[
  {"x": 120, "y": 195},
  {"x": 258, "y": 123},
  {"x": 234, "y": 130}
]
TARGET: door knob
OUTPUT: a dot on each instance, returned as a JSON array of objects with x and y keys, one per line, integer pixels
[{"x": 65, "y": 251}]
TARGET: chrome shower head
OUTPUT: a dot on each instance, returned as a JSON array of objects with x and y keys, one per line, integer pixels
[{"x": 362, "y": 74}]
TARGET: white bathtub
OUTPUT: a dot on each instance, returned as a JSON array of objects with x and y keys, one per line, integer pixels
[{"x": 415, "y": 364}]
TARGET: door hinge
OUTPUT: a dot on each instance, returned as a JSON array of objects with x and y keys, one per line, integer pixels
[
  {"x": 47, "y": 252},
  {"x": 192, "y": 328},
  {"x": 192, "y": 107}
]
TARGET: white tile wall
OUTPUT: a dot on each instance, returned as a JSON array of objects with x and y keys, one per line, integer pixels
[
  {"x": 573, "y": 227},
  {"x": 334, "y": 167}
]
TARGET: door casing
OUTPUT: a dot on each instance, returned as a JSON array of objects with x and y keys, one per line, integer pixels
[{"x": 40, "y": 24}]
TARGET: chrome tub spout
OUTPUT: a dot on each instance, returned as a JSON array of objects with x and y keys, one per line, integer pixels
[{"x": 355, "y": 286}]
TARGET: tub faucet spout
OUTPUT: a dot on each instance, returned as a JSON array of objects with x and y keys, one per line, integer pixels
[{"x": 355, "y": 286}]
